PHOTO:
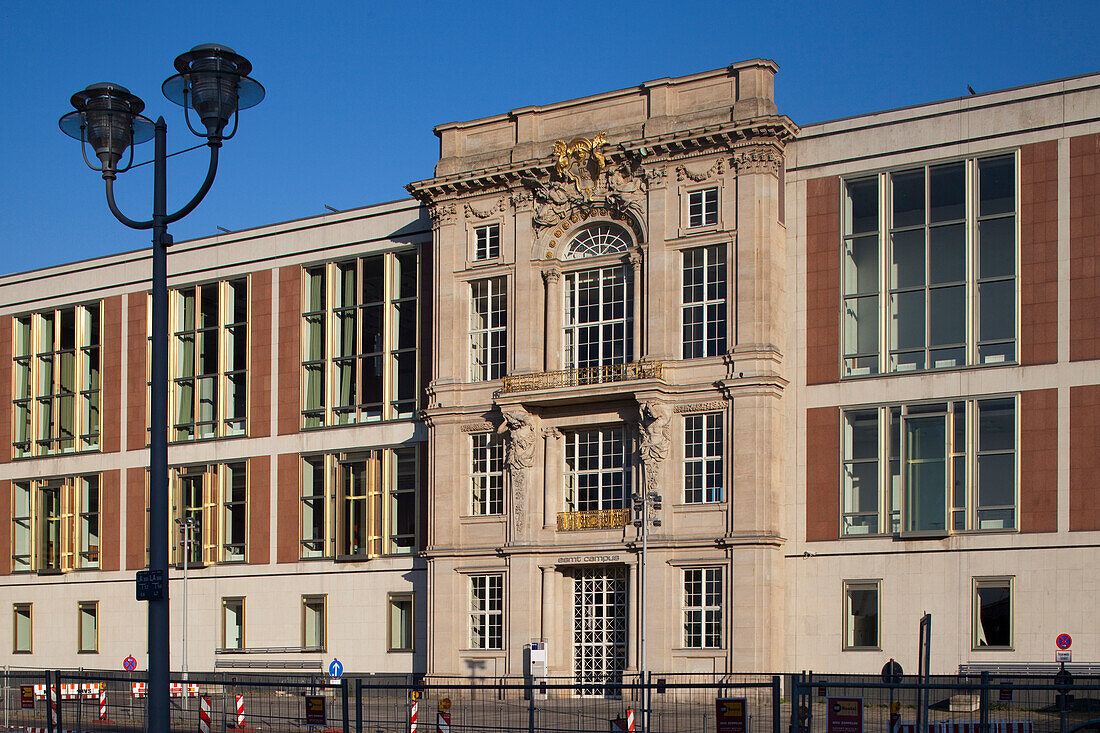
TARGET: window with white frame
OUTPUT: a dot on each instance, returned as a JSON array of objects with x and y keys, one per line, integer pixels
[
  {"x": 215, "y": 499},
  {"x": 56, "y": 381},
  {"x": 359, "y": 504},
  {"x": 600, "y": 238},
  {"x": 233, "y": 623},
  {"x": 704, "y": 301},
  {"x": 488, "y": 328},
  {"x": 56, "y": 524},
  {"x": 209, "y": 360},
  {"x": 487, "y": 475},
  {"x": 702, "y": 608},
  {"x": 487, "y": 242},
  {"x": 597, "y": 469},
  {"x": 929, "y": 267},
  {"x": 87, "y": 630},
  {"x": 22, "y": 629},
  {"x": 599, "y": 317},
  {"x": 487, "y": 611},
  {"x": 359, "y": 340},
  {"x": 703, "y": 449},
  {"x": 703, "y": 207},
  {"x": 992, "y": 610},
  {"x": 861, "y": 614},
  {"x": 930, "y": 468}
]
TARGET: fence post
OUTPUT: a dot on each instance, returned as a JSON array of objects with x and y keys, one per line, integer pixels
[
  {"x": 56, "y": 700},
  {"x": 358, "y": 705},
  {"x": 983, "y": 703},
  {"x": 775, "y": 704},
  {"x": 344, "y": 703},
  {"x": 530, "y": 692},
  {"x": 795, "y": 685}
]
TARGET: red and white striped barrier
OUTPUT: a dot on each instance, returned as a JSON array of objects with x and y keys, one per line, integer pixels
[
  {"x": 175, "y": 689},
  {"x": 90, "y": 690},
  {"x": 102, "y": 703},
  {"x": 412, "y": 717},
  {"x": 138, "y": 689},
  {"x": 968, "y": 726},
  {"x": 204, "y": 714},
  {"x": 629, "y": 721},
  {"x": 70, "y": 692},
  {"x": 240, "y": 711}
]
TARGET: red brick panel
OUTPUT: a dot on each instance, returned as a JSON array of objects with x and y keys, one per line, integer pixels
[
  {"x": 259, "y": 368},
  {"x": 1039, "y": 253},
  {"x": 135, "y": 518},
  {"x": 1039, "y": 460},
  {"x": 286, "y": 496},
  {"x": 6, "y": 411},
  {"x": 822, "y": 470},
  {"x": 1084, "y": 458},
  {"x": 137, "y": 330},
  {"x": 5, "y": 524},
  {"x": 290, "y": 313},
  {"x": 1084, "y": 247},
  {"x": 822, "y": 280},
  {"x": 259, "y": 510},
  {"x": 110, "y": 537},
  {"x": 110, "y": 351}
]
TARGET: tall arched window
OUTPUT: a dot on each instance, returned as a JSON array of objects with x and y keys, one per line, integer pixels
[{"x": 599, "y": 303}]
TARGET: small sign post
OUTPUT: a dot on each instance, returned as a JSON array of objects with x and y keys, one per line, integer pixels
[
  {"x": 845, "y": 715},
  {"x": 730, "y": 714}
]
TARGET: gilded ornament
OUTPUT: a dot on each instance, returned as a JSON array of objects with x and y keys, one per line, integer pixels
[
  {"x": 549, "y": 255},
  {"x": 580, "y": 160},
  {"x": 553, "y": 244}
]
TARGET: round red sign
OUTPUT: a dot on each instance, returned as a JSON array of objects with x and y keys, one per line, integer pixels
[
  {"x": 1063, "y": 641},
  {"x": 129, "y": 664}
]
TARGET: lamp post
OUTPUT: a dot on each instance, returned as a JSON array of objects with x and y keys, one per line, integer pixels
[
  {"x": 644, "y": 506},
  {"x": 213, "y": 81},
  {"x": 186, "y": 527}
]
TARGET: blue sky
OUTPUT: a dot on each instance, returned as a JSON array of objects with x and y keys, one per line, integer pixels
[{"x": 354, "y": 88}]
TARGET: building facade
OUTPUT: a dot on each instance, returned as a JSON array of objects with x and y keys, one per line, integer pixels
[{"x": 653, "y": 359}]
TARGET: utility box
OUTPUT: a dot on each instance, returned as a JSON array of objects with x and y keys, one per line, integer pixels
[{"x": 537, "y": 669}]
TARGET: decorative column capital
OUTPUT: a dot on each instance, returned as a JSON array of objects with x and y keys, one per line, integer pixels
[{"x": 551, "y": 275}]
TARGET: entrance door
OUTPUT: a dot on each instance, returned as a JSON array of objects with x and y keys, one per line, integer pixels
[{"x": 599, "y": 629}]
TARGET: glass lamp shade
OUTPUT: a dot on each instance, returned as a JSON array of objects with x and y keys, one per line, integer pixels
[
  {"x": 213, "y": 80},
  {"x": 109, "y": 117}
]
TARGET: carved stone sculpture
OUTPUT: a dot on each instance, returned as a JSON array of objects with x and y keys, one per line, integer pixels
[
  {"x": 520, "y": 429},
  {"x": 654, "y": 439}
]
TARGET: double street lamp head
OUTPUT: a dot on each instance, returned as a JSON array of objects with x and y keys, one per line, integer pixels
[{"x": 212, "y": 80}]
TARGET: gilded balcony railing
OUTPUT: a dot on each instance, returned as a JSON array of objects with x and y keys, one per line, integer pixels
[
  {"x": 597, "y": 519},
  {"x": 604, "y": 374}
]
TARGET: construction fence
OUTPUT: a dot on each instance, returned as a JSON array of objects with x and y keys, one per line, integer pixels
[{"x": 111, "y": 702}]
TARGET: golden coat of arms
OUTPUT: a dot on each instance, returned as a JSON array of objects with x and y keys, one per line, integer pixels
[{"x": 580, "y": 162}]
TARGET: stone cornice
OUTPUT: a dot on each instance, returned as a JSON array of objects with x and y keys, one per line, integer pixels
[{"x": 776, "y": 131}]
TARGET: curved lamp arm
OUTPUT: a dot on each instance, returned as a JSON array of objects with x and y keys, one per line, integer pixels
[
  {"x": 118, "y": 214},
  {"x": 210, "y": 172}
]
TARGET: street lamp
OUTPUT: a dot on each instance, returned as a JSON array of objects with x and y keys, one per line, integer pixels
[
  {"x": 187, "y": 528},
  {"x": 645, "y": 506},
  {"x": 213, "y": 81}
]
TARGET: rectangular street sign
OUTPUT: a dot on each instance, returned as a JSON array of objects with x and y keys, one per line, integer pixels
[
  {"x": 731, "y": 714},
  {"x": 26, "y": 694},
  {"x": 315, "y": 710},
  {"x": 844, "y": 715},
  {"x": 150, "y": 585},
  {"x": 1063, "y": 655}
]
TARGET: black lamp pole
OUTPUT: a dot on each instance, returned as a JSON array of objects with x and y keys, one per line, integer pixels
[{"x": 214, "y": 82}]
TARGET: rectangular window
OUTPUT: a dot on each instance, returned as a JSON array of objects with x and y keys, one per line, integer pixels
[
  {"x": 703, "y": 608},
  {"x": 704, "y": 301},
  {"x": 214, "y": 498},
  {"x": 992, "y": 613},
  {"x": 929, "y": 275},
  {"x": 703, "y": 207},
  {"x": 22, "y": 629},
  {"x": 861, "y": 614},
  {"x": 400, "y": 622},
  {"x": 930, "y": 468},
  {"x": 209, "y": 360},
  {"x": 313, "y": 623},
  {"x": 359, "y": 340},
  {"x": 233, "y": 623},
  {"x": 486, "y": 611},
  {"x": 55, "y": 524},
  {"x": 488, "y": 329},
  {"x": 487, "y": 242},
  {"x": 487, "y": 475},
  {"x": 597, "y": 469},
  {"x": 87, "y": 627},
  {"x": 599, "y": 317},
  {"x": 703, "y": 471},
  {"x": 56, "y": 381},
  {"x": 359, "y": 505}
]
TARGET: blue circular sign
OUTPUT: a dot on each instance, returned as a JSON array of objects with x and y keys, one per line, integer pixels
[
  {"x": 129, "y": 664},
  {"x": 1063, "y": 641},
  {"x": 335, "y": 669}
]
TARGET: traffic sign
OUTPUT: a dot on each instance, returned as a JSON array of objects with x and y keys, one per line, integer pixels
[
  {"x": 315, "y": 710},
  {"x": 129, "y": 663},
  {"x": 1063, "y": 655},
  {"x": 1064, "y": 641},
  {"x": 335, "y": 669},
  {"x": 150, "y": 585},
  {"x": 891, "y": 673}
]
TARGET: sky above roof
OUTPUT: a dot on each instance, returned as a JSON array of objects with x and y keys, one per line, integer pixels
[{"x": 354, "y": 88}]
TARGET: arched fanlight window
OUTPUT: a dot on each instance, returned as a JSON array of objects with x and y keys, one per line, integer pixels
[{"x": 598, "y": 239}]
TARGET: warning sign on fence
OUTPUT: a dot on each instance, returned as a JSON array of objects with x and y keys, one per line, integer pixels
[
  {"x": 26, "y": 694},
  {"x": 845, "y": 715},
  {"x": 730, "y": 714},
  {"x": 315, "y": 710}
]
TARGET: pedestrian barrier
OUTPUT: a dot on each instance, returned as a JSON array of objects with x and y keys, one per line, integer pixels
[
  {"x": 240, "y": 711},
  {"x": 204, "y": 714},
  {"x": 137, "y": 689},
  {"x": 175, "y": 689}
]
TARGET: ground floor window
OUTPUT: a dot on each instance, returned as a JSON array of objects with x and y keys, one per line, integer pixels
[
  {"x": 487, "y": 611},
  {"x": 21, "y": 628},
  {"x": 313, "y": 623},
  {"x": 400, "y": 622},
  {"x": 861, "y": 613},
  {"x": 703, "y": 608},
  {"x": 599, "y": 628},
  {"x": 233, "y": 623},
  {"x": 87, "y": 630},
  {"x": 992, "y": 613}
]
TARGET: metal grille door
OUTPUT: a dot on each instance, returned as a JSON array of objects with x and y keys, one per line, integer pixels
[{"x": 599, "y": 628}]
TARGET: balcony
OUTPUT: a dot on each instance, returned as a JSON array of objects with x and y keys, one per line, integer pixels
[
  {"x": 606, "y": 374},
  {"x": 598, "y": 519}
]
